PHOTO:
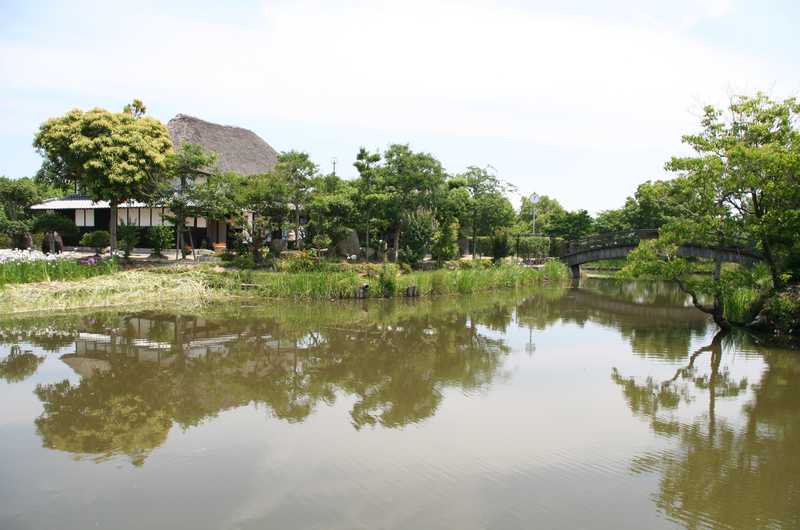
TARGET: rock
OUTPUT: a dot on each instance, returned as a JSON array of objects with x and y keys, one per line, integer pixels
[
  {"x": 348, "y": 244},
  {"x": 276, "y": 246}
]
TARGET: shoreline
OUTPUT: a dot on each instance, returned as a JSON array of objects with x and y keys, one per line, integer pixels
[{"x": 196, "y": 287}]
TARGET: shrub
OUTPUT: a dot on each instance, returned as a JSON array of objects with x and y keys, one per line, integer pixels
[
  {"x": 387, "y": 280},
  {"x": 417, "y": 236},
  {"x": 532, "y": 246},
  {"x": 98, "y": 240},
  {"x": 321, "y": 242},
  {"x": 445, "y": 243},
  {"x": 52, "y": 222},
  {"x": 244, "y": 262},
  {"x": 500, "y": 246},
  {"x": 160, "y": 236},
  {"x": 128, "y": 237},
  {"x": 5, "y": 241},
  {"x": 300, "y": 261}
]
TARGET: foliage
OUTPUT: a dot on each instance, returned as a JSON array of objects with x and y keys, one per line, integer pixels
[
  {"x": 387, "y": 280},
  {"x": 296, "y": 170},
  {"x": 532, "y": 246},
  {"x": 98, "y": 240},
  {"x": 53, "y": 222},
  {"x": 570, "y": 225},
  {"x": 445, "y": 242},
  {"x": 419, "y": 229},
  {"x": 782, "y": 311},
  {"x": 747, "y": 163},
  {"x": 111, "y": 156},
  {"x": 31, "y": 267},
  {"x": 129, "y": 237},
  {"x": 545, "y": 210},
  {"x": 501, "y": 247},
  {"x": 160, "y": 236}
]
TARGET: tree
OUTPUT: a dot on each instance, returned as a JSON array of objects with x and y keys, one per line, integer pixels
[
  {"x": 487, "y": 209},
  {"x": 266, "y": 197},
  {"x": 330, "y": 208},
  {"x": 189, "y": 167},
  {"x": 546, "y": 209},
  {"x": 741, "y": 185},
  {"x": 297, "y": 170},
  {"x": 111, "y": 156},
  {"x": 367, "y": 165},
  {"x": 570, "y": 225},
  {"x": 409, "y": 181},
  {"x": 748, "y": 159},
  {"x": 419, "y": 232},
  {"x": 16, "y": 198}
]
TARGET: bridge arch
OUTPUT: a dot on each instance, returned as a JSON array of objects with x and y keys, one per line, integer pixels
[{"x": 619, "y": 244}]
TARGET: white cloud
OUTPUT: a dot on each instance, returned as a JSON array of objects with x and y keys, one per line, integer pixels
[{"x": 449, "y": 69}]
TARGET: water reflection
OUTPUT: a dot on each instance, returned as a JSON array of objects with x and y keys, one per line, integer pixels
[
  {"x": 721, "y": 444},
  {"x": 141, "y": 373},
  {"x": 718, "y": 472}
]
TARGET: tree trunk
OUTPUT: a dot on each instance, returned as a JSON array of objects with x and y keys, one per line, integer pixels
[
  {"x": 773, "y": 268},
  {"x": 113, "y": 228},
  {"x": 366, "y": 248},
  {"x": 396, "y": 243},
  {"x": 474, "y": 237},
  {"x": 297, "y": 243}
]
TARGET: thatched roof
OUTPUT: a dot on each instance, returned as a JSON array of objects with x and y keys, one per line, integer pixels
[{"x": 238, "y": 150}]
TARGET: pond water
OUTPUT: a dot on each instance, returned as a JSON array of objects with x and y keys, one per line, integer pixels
[{"x": 612, "y": 405}]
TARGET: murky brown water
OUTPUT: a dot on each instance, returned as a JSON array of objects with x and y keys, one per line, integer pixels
[{"x": 609, "y": 406}]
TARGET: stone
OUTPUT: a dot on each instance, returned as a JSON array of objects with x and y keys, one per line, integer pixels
[{"x": 348, "y": 244}]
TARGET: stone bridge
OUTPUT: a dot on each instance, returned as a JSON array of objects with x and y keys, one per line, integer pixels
[{"x": 619, "y": 244}]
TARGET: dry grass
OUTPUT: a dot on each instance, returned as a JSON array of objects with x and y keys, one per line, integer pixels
[{"x": 117, "y": 290}]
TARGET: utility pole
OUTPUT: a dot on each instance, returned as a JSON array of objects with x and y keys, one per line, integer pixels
[{"x": 334, "y": 160}]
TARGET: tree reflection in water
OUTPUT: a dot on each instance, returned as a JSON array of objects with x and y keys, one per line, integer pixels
[
  {"x": 721, "y": 474},
  {"x": 145, "y": 372}
]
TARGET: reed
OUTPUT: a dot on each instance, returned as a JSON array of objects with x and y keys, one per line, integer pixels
[{"x": 16, "y": 272}]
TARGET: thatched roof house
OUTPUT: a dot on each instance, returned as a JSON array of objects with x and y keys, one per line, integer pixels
[{"x": 237, "y": 149}]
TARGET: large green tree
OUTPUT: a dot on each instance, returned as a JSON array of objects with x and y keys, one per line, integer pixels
[
  {"x": 297, "y": 170},
  {"x": 740, "y": 188},
  {"x": 111, "y": 156},
  {"x": 487, "y": 208},
  {"x": 748, "y": 157}
]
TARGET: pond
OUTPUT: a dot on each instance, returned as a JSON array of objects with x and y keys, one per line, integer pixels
[{"x": 612, "y": 405}]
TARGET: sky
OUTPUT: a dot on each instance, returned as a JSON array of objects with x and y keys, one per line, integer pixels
[{"x": 579, "y": 99}]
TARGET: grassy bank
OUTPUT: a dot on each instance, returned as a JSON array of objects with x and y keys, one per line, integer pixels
[
  {"x": 14, "y": 272},
  {"x": 385, "y": 282},
  {"x": 170, "y": 287}
]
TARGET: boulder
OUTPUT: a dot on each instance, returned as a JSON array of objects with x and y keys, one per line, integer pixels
[{"x": 348, "y": 243}]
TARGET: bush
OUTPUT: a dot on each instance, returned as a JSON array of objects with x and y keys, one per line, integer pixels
[
  {"x": 98, "y": 240},
  {"x": 5, "y": 241},
  {"x": 387, "y": 280},
  {"x": 500, "y": 246},
  {"x": 417, "y": 236},
  {"x": 52, "y": 222},
  {"x": 129, "y": 237},
  {"x": 244, "y": 262},
  {"x": 532, "y": 246},
  {"x": 299, "y": 261},
  {"x": 445, "y": 243},
  {"x": 321, "y": 242},
  {"x": 160, "y": 236}
]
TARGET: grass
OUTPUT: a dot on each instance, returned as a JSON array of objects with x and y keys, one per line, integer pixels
[
  {"x": 16, "y": 272},
  {"x": 113, "y": 290},
  {"x": 386, "y": 282},
  {"x": 193, "y": 287}
]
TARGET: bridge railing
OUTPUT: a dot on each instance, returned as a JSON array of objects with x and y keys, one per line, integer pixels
[
  {"x": 609, "y": 240},
  {"x": 633, "y": 237}
]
